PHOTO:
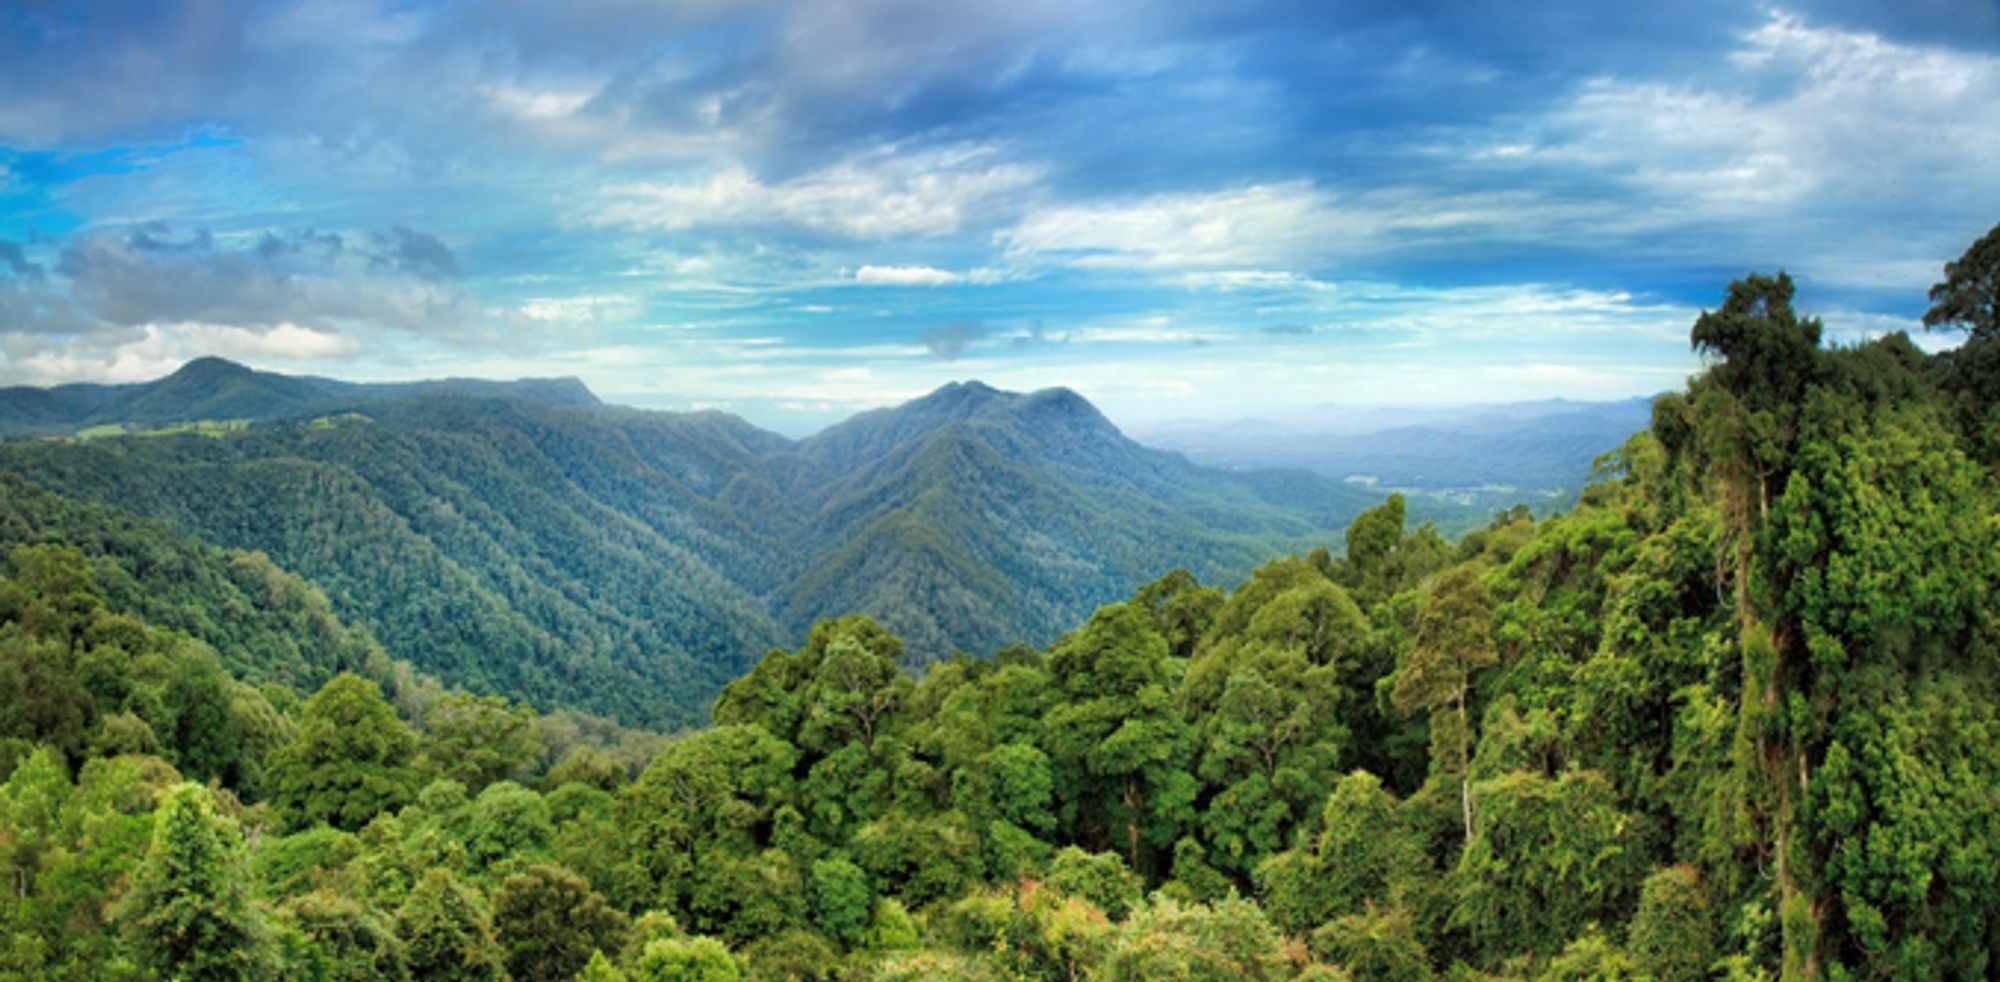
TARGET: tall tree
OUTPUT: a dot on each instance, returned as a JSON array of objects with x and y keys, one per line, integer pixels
[
  {"x": 189, "y": 914},
  {"x": 1453, "y": 641}
]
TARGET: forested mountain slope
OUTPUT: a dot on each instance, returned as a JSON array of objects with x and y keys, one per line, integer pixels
[
  {"x": 1732, "y": 716},
  {"x": 629, "y": 563}
]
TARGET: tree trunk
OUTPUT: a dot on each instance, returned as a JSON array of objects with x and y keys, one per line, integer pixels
[
  {"x": 1465, "y": 761},
  {"x": 1132, "y": 821}
]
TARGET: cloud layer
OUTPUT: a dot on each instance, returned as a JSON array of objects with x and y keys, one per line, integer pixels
[{"x": 798, "y": 210}]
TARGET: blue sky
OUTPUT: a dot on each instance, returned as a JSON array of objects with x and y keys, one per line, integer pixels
[{"x": 795, "y": 211}]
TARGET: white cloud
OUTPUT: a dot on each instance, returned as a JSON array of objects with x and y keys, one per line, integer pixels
[
  {"x": 906, "y": 276},
  {"x": 1236, "y": 227},
  {"x": 152, "y": 350},
  {"x": 577, "y": 311},
  {"x": 537, "y": 104},
  {"x": 1256, "y": 236},
  {"x": 1231, "y": 280},
  {"x": 880, "y": 195},
  {"x": 1805, "y": 117},
  {"x": 872, "y": 275}
]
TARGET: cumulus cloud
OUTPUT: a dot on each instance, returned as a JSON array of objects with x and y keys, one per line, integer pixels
[
  {"x": 116, "y": 304},
  {"x": 1803, "y": 122},
  {"x": 950, "y": 341},
  {"x": 153, "y": 276}
]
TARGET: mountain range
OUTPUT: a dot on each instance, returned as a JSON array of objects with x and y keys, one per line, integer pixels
[
  {"x": 1541, "y": 448},
  {"x": 525, "y": 539},
  {"x": 219, "y": 389}
]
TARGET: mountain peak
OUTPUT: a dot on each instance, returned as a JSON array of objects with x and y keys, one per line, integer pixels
[
  {"x": 970, "y": 395},
  {"x": 209, "y": 367}
]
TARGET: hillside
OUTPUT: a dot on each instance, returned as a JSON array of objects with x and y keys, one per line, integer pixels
[{"x": 630, "y": 562}]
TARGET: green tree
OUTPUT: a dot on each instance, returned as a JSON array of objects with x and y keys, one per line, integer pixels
[
  {"x": 1969, "y": 295},
  {"x": 1453, "y": 641},
  {"x": 1373, "y": 535},
  {"x": 686, "y": 960},
  {"x": 189, "y": 915},
  {"x": 842, "y": 899},
  {"x": 1376, "y": 944},
  {"x": 1101, "y": 878},
  {"x": 1673, "y": 932},
  {"x": 1166, "y": 939},
  {"x": 1546, "y": 858},
  {"x": 703, "y": 801},
  {"x": 444, "y": 925},
  {"x": 348, "y": 762},
  {"x": 1363, "y": 850},
  {"x": 550, "y": 921},
  {"x": 1119, "y": 748},
  {"x": 349, "y": 940},
  {"x": 477, "y": 740}
]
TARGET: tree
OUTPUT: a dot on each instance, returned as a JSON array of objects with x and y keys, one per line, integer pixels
[
  {"x": 1548, "y": 857},
  {"x": 1362, "y": 851},
  {"x": 202, "y": 733},
  {"x": 447, "y": 932},
  {"x": 189, "y": 914},
  {"x": 1373, "y": 535},
  {"x": 842, "y": 899},
  {"x": 349, "y": 761},
  {"x": 686, "y": 960},
  {"x": 1969, "y": 295},
  {"x": 549, "y": 921},
  {"x": 31, "y": 813},
  {"x": 506, "y": 820},
  {"x": 1673, "y": 933},
  {"x": 477, "y": 740},
  {"x": 1166, "y": 939},
  {"x": 1119, "y": 750},
  {"x": 1969, "y": 298},
  {"x": 1101, "y": 878},
  {"x": 60, "y": 593},
  {"x": 349, "y": 940},
  {"x": 703, "y": 800},
  {"x": 1375, "y": 944},
  {"x": 1453, "y": 641}
]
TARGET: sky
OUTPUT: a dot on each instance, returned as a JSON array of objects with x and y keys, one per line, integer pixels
[{"x": 797, "y": 211}]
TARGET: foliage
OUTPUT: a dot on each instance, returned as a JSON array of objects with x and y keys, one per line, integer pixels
[
  {"x": 445, "y": 925},
  {"x": 550, "y": 922},
  {"x": 349, "y": 761},
  {"x": 1731, "y": 715},
  {"x": 189, "y": 913}
]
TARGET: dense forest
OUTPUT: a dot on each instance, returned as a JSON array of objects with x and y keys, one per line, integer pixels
[
  {"x": 1731, "y": 716},
  {"x": 630, "y": 563}
]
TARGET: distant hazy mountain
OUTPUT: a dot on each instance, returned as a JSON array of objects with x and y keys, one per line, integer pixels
[
  {"x": 521, "y": 538},
  {"x": 1532, "y": 446},
  {"x": 217, "y": 389}
]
